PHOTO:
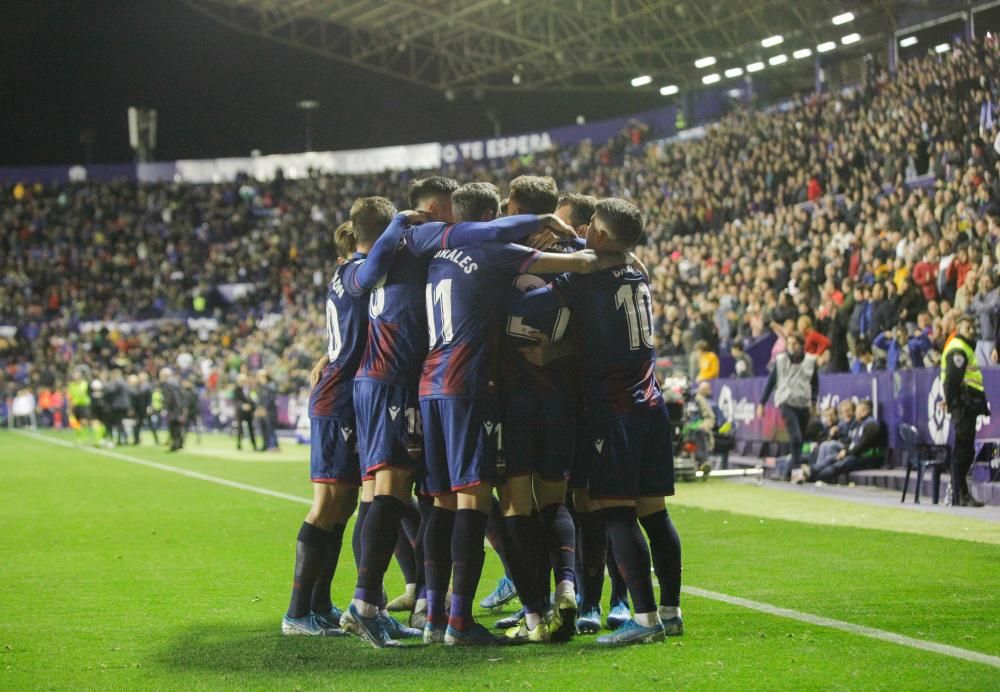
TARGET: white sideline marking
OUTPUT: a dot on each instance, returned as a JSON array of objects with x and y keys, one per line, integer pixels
[
  {"x": 808, "y": 618},
  {"x": 166, "y": 467},
  {"x": 891, "y": 637}
]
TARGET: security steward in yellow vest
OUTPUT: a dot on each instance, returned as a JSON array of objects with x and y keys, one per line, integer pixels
[{"x": 965, "y": 398}]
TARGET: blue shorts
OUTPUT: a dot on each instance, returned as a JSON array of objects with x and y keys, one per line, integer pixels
[
  {"x": 388, "y": 426},
  {"x": 460, "y": 444},
  {"x": 631, "y": 456},
  {"x": 333, "y": 456},
  {"x": 538, "y": 435}
]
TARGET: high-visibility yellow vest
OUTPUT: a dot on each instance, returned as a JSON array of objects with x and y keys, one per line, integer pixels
[
  {"x": 78, "y": 393},
  {"x": 973, "y": 375}
]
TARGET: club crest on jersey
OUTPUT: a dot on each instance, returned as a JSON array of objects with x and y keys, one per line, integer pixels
[
  {"x": 599, "y": 445},
  {"x": 346, "y": 432},
  {"x": 393, "y": 412}
]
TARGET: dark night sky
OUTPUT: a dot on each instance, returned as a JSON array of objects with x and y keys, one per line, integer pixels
[{"x": 69, "y": 65}]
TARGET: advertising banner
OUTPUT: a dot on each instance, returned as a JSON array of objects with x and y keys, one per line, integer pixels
[
  {"x": 913, "y": 396},
  {"x": 660, "y": 122}
]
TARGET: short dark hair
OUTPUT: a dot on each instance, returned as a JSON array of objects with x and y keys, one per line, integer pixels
[
  {"x": 471, "y": 201},
  {"x": 344, "y": 240},
  {"x": 422, "y": 188},
  {"x": 581, "y": 207},
  {"x": 370, "y": 216},
  {"x": 537, "y": 194},
  {"x": 623, "y": 219}
]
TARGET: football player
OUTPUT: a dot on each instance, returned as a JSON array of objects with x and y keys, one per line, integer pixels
[
  {"x": 629, "y": 455},
  {"x": 334, "y": 467},
  {"x": 538, "y": 406},
  {"x": 467, "y": 285}
]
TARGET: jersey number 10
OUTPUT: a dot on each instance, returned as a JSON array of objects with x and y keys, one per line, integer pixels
[{"x": 638, "y": 304}]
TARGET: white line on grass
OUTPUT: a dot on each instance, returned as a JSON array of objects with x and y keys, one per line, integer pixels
[
  {"x": 808, "y": 618},
  {"x": 821, "y": 621},
  {"x": 171, "y": 469}
]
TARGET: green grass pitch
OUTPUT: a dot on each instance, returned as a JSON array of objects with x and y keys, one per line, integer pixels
[{"x": 115, "y": 575}]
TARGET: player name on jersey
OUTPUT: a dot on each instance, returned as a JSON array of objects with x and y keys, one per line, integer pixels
[{"x": 459, "y": 258}]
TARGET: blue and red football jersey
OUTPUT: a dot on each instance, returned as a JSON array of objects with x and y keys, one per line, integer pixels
[
  {"x": 397, "y": 323},
  {"x": 612, "y": 314},
  {"x": 397, "y": 330},
  {"x": 468, "y": 279},
  {"x": 519, "y": 376},
  {"x": 347, "y": 326}
]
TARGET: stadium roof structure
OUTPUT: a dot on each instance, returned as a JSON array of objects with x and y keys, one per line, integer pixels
[{"x": 553, "y": 45}]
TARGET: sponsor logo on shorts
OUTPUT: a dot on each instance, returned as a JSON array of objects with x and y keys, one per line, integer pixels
[
  {"x": 599, "y": 445},
  {"x": 393, "y": 412},
  {"x": 346, "y": 432}
]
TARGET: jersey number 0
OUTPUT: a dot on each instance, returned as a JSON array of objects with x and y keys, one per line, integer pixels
[{"x": 333, "y": 329}]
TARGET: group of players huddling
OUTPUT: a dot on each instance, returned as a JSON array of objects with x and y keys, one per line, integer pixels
[{"x": 538, "y": 382}]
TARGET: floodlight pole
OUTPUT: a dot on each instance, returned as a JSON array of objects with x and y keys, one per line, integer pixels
[{"x": 308, "y": 106}]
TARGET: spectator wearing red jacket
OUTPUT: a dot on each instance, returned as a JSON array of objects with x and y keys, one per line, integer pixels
[
  {"x": 814, "y": 190},
  {"x": 925, "y": 273},
  {"x": 814, "y": 342},
  {"x": 959, "y": 268}
]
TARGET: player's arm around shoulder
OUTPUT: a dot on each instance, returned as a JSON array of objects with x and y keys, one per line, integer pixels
[{"x": 580, "y": 262}]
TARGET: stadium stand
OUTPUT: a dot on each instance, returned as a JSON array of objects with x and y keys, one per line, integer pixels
[{"x": 872, "y": 211}]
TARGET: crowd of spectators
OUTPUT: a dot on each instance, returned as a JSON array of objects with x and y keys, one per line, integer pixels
[
  {"x": 803, "y": 219},
  {"x": 866, "y": 220},
  {"x": 284, "y": 345}
]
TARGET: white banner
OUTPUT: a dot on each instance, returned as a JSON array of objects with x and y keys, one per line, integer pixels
[{"x": 295, "y": 166}]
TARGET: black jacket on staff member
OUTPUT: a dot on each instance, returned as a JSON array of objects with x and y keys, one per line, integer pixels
[
  {"x": 244, "y": 412},
  {"x": 174, "y": 405}
]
